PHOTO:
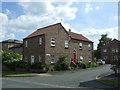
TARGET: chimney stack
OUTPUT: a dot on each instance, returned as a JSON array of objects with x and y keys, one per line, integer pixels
[{"x": 69, "y": 30}]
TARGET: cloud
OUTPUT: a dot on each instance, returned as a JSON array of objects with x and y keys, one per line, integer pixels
[
  {"x": 7, "y": 12},
  {"x": 97, "y": 8},
  {"x": 89, "y": 7},
  {"x": 95, "y": 34},
  {"x": 36, "y": 15}
]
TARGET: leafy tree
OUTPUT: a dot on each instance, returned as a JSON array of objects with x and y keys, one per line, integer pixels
[
  {"x": 104, "y": 39},
  {"x": 10, "y": 57}
]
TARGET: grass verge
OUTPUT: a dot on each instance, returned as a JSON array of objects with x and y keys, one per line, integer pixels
[
  {"x": 114, "y": 83},
  {"x": 16, "y": 74}
]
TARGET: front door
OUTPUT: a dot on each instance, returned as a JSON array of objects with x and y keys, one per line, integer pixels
[
  {"x": 32, "y": 59},
  {"x": 74, "y": 57}
]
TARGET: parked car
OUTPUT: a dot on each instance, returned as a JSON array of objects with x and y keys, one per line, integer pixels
[{"x": 100, "y": 61}]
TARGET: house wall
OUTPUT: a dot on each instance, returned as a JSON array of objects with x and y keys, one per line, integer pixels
[
  {"x": 109, "y": 46},
  {"x": 18, "y": 50},
  {"x": 60, "y": 35},
  {"x": 46, "y": 50},
  {"x": 34, "y": 49},
  {"x": 84, "y": 52}
]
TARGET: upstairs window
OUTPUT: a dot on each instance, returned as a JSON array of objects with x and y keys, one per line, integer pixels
[
  {"x": 26, "y": 44},
  {"x": 66, "y": 43},
  {"x": 81, "y": 58},
  {"x": 105, "y": 50},
  {"x": 80, "y": 45},
  {"x": 52, "y": 58},
  {"x": 89, "y": 47},
  {"x": 113, "y": 50},
  {"x": 52, "y": 42},
  {"x": 40, "y": 59},
  {"x": 40, "y": 41}
]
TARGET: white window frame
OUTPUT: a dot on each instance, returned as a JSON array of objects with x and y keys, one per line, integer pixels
[
  {"x": 89, "y": 59},
  {"x": 26, "y": 43},
  {"x": 104, "y": 50},
  {"x": 113, "y": 50},
  {"x": 80, "y": 45},
  {"x": 66, "y": 43},
  {"x": 32, "y": 59},
  {"x": 40, "y": 41},
  {"x": 89, "y": 46},
  {"x": 81, "y": 58},
  {"x": 40, "y": 58},
  {"x": 52, "y": 58},
  {"x": 52, "y": 42},
  {"x": 117, "y": 50}
]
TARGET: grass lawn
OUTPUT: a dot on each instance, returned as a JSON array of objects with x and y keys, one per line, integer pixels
[
  {"x": 115, "y": 83},
  {"x": 16, "y": 74}
]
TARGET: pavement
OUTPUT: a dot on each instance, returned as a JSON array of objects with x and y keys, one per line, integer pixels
[{"x": 85, "y": 78}]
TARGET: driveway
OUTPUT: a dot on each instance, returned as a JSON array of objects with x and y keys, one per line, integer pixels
[{"x": 67, "y": 79}]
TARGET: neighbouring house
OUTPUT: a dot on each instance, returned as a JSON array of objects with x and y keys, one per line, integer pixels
[
  {"x": 110, "y": 52},
  {"x": 49, "y": 43},
  {"x": 13, "y": 45}
]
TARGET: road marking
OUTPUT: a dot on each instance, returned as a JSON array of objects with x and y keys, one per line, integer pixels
[{"x": 57, "y": 86}]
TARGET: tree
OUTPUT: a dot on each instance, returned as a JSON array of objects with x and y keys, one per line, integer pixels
[
  {"x": 104, "y": 39},
  {"x": 10, "y": 57}
]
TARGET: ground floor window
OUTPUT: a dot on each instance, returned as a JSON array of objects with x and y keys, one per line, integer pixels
[
  {"x": 32, "y": 59},
  {"x": 81, "y": 58},
  {"x": 52, "y": 58},
  {"x": 89, "y": 59}
]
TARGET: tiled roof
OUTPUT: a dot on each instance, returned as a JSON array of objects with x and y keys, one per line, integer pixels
[
  {"x": 78, "y": 36},
  {"x": 46, "y": 29},
  {"x": 41, "y": 31}
]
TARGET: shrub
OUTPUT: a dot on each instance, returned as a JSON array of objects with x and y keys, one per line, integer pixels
[
  {"x": 62, "y": 63},
  {"x": 36, "y": 66},
  {"x": 10, "y": 57},
  {"x": 22, "y": 65}
]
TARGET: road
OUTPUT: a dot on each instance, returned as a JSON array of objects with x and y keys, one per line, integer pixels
[{"x": 85, "y": 78}]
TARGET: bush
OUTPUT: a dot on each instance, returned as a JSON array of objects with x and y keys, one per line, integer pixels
[
  {"x": 22, "y": 65},
  {"x": 62, "y": 63},
  {"x": 36, "y": 66},
  {"x": 10, "y": 57},
  {"x": 40, "y": 66}
]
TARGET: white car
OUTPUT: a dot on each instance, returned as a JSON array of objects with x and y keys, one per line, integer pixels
[{"x": 100, "y": 61}]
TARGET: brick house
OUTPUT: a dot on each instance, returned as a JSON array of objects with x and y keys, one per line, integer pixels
[
  {"x": 49, "y": 43},
  {"x": 13, "y": 45},
  {"x": 110, "y": 52}
]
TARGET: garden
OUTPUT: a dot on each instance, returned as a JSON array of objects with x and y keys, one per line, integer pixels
[{"x": 14, "y": 63}]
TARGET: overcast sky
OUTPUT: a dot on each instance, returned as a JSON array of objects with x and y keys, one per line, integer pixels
[{"x": 91, "y": 19}]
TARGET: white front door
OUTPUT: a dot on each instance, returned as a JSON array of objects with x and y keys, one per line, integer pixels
[{"x": 32, "y": 59}]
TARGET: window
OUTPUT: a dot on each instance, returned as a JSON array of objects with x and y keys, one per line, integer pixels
[
  {"x": 32, "y": 59},
  {"x": 40, "y": 41},
  {"x": 105, "y": 57},
  {"x": 105, "y": 50},
  {"x": 66, "y": 43},
  {"x": 80, "y": 45},
  {"x": 52, "y": 42},
  {"x": 52, "y": 58},
  {"x": 89, "y": 47},
  {"x": 113, "y": 50},
  {"x": 89, "y": 59},
  {"x": 26, "y": 43},
  {"x": 117, "y": 50},
  {"x": 40, "y": 59},
  {"x": 81, "y": 58}
]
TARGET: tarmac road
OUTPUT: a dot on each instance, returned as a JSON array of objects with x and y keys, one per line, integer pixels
[{"x": 85, "y": 78}]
